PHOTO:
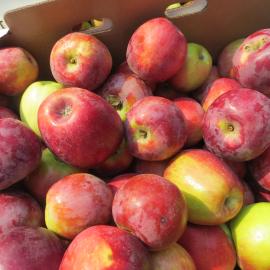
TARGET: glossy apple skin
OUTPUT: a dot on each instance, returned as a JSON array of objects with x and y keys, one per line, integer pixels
[
  {"x": 219, "y": 87},
  {"x": 7, "y": 113},
  {"x": 20, "y": 151},
  {"x": 195, "y": 70},
  {"x": 225, "y": 59},
  {"x": 151, "y": 61},
  {"x": 213, "y": 193},
  {"x": 105, "y": 248},
  {"x": 193, "y": 114},
  {"x": 30, "y": 248},
  {"x": 211, "y": 241},
  {"x": 229, "y": 128},
  {"x": 251, "y": 232},
  {"x": 80, "y": 127},
  {"x": 251, "y": 62},
  {"x": 76, "y": 202},
  {"x": 174, "y": 257},
  {"x": 18, "y": 70},
  {"x": 122, "y": 90},
  {"x": 151, "y": 208},
  {"x": 152, "y": 167},
  {"x": 49, "y": 171},
  {"x": 155, "y": 129},
  {"x": 80, "y": 60},
  {"x": 19, "y": 209}
]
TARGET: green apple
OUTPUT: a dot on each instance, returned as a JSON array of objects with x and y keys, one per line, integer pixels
[
  {"x": 251, "y": 235},
  {"x": 195, "y": 71},
  {"x": 31, "y": 99}
]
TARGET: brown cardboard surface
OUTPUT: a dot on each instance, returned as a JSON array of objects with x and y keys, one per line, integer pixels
[{"x": 37, "y": 28}]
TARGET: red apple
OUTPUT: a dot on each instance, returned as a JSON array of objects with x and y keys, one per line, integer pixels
[
  {"x": 151, "y": 208},
  {"x": 236, "y": 126},
  {"x": 152, "y": 167},
  {"x": 155, "y": 129},
  {"x": 156, "y": 50},
  {"x": 239, "y": 168},
  {"x": 7, "y": 113},
  {"x": 80, "y": 127},
  {"x": 80, "y": 60}
]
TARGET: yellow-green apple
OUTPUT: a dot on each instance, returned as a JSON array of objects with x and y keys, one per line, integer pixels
[
  {"x": 80, "y": 60},
  {"x": 156, "y": 50},
  {"x": 225, "y": 58},
  {"x": 19, "y": 209},
  {"x": 195, "y": 71},
  {"x": 104, "y": 247},
  {"x": 219, "y": 87},
  {"x": 213, "y": 192},
  {"x": 76, "y": 202},
  {"x": 20, "y": 151},
  {"x": 31, "y": 99},
  {"x": 173, "y": 257},
  {"x": 152, "y": 167},
  {"x": 193, "y": 113},
  {"x": 122, "y": 90},
  {"x": 251, "y": 233},
  {"x": 209, "y": 246},
  {"x": 236, "y": 126},
  {"x": 155, "y": 129},
  {"x": 251, "y": 62},
  {"x": 18, "y": 70},
  {"x": 49, "y": 171},
  {"x": 79, "y": 127},
  {"x": 151, "y": 208},
  {"x": 26, "y": 247},
  {"x": 7, "y": 113}
]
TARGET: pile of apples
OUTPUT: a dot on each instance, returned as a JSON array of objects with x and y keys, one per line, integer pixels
[{"x": 162, "y": 163}]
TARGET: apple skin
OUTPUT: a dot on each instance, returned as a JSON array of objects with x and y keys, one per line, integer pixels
[
  {"x": 20, "y": 151},
  {"x": 31, "y": 99},
  {"x": 211, "y": 241},
  {"x": 152, "y": 167},
  {"x": 239, "y": 168},
  {"x": 30, "y": 248},
  {"x": 49, "y": 171},
  {"x": 151, "y": 61},
  {"x": 19, "y": 209},
  {"x": 18, "y": 70},
  {"x": 122, "y": 90},
  {"x": 229, "y": 128},
  {"x": 213, "y": 192},
  {"x": 155, "y": 129},
  {"x": 139, "y": 207},
  {"x": 174, "y": 257},
  {"x": 76, "y": 202},
  {"x": 225, "y": 59},
  {"x": 80, "y": 60},
  {"x": 219, "y": 87},
  {"x": 7, "y": 113},
  {"x": 80, "y": 127},
  {"x": 105, "y": 248},
  {"x": 251, "y": 233},
  {"x": 193, "y": 113}
]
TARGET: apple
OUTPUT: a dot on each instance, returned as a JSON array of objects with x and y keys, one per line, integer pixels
[
  {"x": 249, "y": 196},
  {"x": 195, "y": 71},
  {"x": 156, "y": 50},
  {"x": 18, "y": 70},
  {"x": 7, "y": 113},
  {"x": 213, "y": 192},
  {"x": 239, "y": 168},
  {"x": 225, "y": 58},
  {"x": 80, "y": 60},
  {"x": 105, "y": 248},
  {"x": 31, "y": 99},
  {"x": 209, "y": 246},
  {"x": 173, "y": 257},
  {"x": 155, "y": 129},
  {"x": 80, "y": 127},
  {"x": 30, "y": 248},
  {"x": 122, "y": 90},
  {"x": 236, "y": 125},
  {"x": 49, "y": 171},
  {"x": 151, "y": 208},
  {"x": 251, "y": 233},
  {"x": 193, "y": 113},
  {"x": 20, "y": 151},
  {"x": 152, "y": 167}
]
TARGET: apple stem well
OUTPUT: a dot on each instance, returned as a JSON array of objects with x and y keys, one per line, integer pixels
[{"x": 115, "y": 102}]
